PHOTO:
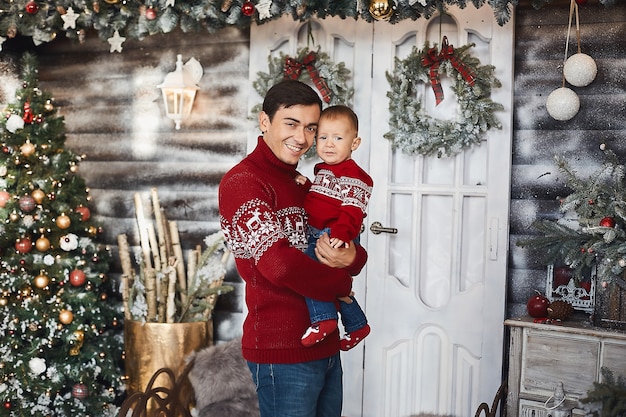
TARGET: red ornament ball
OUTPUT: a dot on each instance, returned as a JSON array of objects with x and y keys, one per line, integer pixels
[
  {"x": 84, "y": 212},
  {"x": 27, "y": 203},
  {"x": 537, "y": 306},
  {"x": 7, "y": 405},
  {"x": 248, "y": 8},
  {"x": 607, "y": 222},
  {"x": 23, "y": 245},
  {"x": 5, "y": 197},
  {"x": 581, "y": 2},
  {"x": 32, "y": 7},
  {"x": 77, "y": 278},
  {"x": 80, "y": 391},
  {"x": 151, "y": 14}
]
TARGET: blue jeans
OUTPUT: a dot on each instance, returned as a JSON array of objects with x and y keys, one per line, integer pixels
[
  {"x": 352, "y": 316},
  {"x": 306, "y": 389}
]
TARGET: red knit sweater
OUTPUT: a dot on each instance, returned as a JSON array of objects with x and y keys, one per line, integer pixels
[
  {"x": 262, "y": 216},
  {"x": 338, "y": 198}
]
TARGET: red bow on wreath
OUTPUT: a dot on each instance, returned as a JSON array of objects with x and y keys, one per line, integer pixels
[
  {"x": 293, "y": 69},
  {"x": 433, "y": 60}
]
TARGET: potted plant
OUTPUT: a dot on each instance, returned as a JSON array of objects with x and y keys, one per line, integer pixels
[{"x": 169, "y": 298}]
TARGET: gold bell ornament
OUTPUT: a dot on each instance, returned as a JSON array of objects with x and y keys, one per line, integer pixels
[{"x": 381, "y": 9}]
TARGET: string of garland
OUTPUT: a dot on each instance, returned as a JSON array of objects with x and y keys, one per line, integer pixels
[
  {"x": 413, "y": 130},
  {"x": 136, "y": 19},
  {"x": 330, "y": 78}
]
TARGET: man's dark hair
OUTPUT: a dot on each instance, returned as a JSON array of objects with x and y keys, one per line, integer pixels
[{"x": 288, "y": 93}]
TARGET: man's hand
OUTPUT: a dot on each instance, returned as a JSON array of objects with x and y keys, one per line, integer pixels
[{"x": 334, "y": 257}]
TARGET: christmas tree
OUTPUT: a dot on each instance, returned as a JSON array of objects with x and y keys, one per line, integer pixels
[
  {"x": 593, "y": 228},
  {"x": 60, "y": 339}
]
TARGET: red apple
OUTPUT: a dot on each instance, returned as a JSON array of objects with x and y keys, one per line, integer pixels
[{"x": 537, "y": 306}]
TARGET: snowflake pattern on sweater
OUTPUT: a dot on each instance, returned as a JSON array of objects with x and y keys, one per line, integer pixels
[
  {"x": 255, "y": 227},
  {"x": 350, "y": 191}
]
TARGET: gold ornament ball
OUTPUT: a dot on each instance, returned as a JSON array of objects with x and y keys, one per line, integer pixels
[
  {"x": 381, "y": 9},
  {"x": 4, "y": 302},
  {"x": 38, "y": 195},
  {"x": 63, "y": 221},
  {"x": 41, "y": 281},
  {"x": 66, "y": 317},
  {"x": 42, "y": 244},
  {"x": 27, "y": 149},
  {"x": 14, "y": 217},
  {"x": 48, "y": 106}
]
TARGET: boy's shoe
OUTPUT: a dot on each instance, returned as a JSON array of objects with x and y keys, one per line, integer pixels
[
  {"x": 350, "y": 340},
  {"x": 317, "y": 332}
]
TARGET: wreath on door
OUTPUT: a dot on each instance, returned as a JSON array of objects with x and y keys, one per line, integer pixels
[
  {"x": 413, "y": 130},
  {"x": 329, "y": 78}
]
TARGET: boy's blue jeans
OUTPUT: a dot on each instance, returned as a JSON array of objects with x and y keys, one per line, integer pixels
[{"x": 352, "y": 315}]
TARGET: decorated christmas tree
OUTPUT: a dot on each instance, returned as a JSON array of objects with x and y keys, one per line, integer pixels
[
  {"x": 60, "y": 341},
  {"x": 593, "y": 227}
]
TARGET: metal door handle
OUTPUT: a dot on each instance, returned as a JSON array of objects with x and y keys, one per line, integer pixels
[{"x": 377, "y": 228}]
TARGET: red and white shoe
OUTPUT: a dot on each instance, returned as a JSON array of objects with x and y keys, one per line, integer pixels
[
  {"x": 350, "y": 340},
  {"x": 317, "y": 332}
]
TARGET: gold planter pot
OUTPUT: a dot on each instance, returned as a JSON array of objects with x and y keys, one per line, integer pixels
[{"x": 152, "y": 346}]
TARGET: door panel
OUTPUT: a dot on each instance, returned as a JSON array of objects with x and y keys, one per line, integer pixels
[{"x": 436, "y": 302}]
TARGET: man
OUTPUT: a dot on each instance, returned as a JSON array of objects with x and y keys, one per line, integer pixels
[{"x": 262, "y": 216}]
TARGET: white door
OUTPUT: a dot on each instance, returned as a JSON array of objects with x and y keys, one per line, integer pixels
[{"x": 434, "y": 292}]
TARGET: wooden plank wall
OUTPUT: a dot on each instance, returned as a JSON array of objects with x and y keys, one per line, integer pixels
[
  {"x": 536, "y": 183},
  {"x": 114, "y": 115}
]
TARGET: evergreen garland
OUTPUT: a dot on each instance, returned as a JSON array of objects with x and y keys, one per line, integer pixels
[
  {"x": 598, "y": 232},
  {"x": 136, "y": 19},
  {"x": 417, "y": 133}
]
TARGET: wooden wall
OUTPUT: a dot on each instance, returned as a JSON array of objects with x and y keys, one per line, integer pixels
[
  {"x": 536, "y": 183},
  {"x": 114, "y": 115}
]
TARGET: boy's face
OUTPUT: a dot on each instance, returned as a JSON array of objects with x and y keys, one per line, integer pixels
[
  {"x": 336, "y": 139},
  {"x": 292, "y": 131}
]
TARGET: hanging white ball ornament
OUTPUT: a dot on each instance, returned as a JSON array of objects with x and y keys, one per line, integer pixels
[
  {"x": 580, "y": 70},
  {"x": 563, "y": 104},
  {"x": 14, "y": 123}
]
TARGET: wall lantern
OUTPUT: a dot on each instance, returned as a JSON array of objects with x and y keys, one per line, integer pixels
[{"x": 179, "y": 89}]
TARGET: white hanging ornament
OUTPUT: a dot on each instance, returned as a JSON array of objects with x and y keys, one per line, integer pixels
[
  {"x": 563, "y": 104},
  {"x": 580, "y": 70}
]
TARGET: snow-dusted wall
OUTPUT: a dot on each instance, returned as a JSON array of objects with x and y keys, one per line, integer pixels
[
  {"x": 536, "y": 182},
  {"x": 114, "y": 115}
]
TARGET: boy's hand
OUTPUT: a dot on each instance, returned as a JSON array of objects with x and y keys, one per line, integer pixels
[
  {"x": 300, "y": 179},
  {"x": 338, "y": 243}
]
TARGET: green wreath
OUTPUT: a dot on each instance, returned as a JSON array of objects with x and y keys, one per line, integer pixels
[
  {"x": 334, "y": 76},
  {"x": 331, "y": 79},
  {"x": 412, "y": 129}
]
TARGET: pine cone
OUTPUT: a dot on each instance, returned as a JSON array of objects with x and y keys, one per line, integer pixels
[{"x": 560, "y": 310}]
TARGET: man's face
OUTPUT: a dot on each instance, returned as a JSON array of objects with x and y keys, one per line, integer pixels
[{"x": 292, "y": 131}]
